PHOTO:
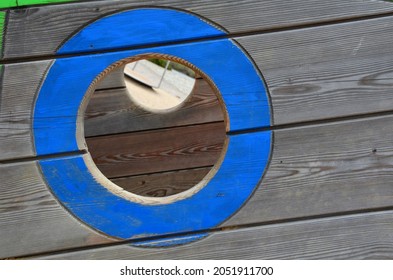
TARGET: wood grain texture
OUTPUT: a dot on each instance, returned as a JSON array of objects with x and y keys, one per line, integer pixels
[
  {"x": 325, "y": 169},
  {"x": 41, "y": 30},
  {"x": 317, "y": 170},
  {"x": 19, "y": 85},
  {"x": 312, "y": 74},
  {"x": 31, "y": 219},
  {"x": 112, "y": 111},
  {"x": 114, "y": 80},
  {"x": 162, "y": 184},
  {"x": 159, "y": 150},
  {"x": 81, "y": 188},
  {"x": 326, "y": 72},
  {"x": 365, "y": 236}
]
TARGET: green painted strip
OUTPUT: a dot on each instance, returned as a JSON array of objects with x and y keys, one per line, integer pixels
[
  {"x": 19, "y": 3},
  {"x": 8, "y": 3},
  {"x": 2, "y": 21},
  {"x": 36, "y": 2}
]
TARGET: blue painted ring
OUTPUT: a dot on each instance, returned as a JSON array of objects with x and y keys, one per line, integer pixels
[{"x": 56, "y": 124}]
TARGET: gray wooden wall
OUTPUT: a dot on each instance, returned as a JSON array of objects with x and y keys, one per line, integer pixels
[{"x": 327, "y": 192}]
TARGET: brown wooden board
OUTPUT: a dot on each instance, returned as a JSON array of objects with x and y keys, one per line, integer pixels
[
  {"x": 159, "y": 150},
  {"x": 361, "y": 236},
  {"x": 112, "y": 111},
  {"x": 38, "y": 31},
  {"x": 162, "y": 184}
]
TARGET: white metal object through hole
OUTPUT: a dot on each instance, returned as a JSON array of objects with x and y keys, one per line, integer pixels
[{"x": 156, "y": 87}]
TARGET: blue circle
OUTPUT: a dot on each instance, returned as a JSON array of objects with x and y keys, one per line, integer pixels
[{"x": 56, "y": 120}]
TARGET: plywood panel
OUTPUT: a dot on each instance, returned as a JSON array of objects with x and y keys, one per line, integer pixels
[{"x": 41, "y": 30}]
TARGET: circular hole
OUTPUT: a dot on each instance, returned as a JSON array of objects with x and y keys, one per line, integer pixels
[{"x": 155, "y": 135}]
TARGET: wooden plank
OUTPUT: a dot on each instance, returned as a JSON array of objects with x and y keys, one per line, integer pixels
[
  {"x": 112, "y": 111},
  {"x": 162, "y": 184},
  {"x": 114, "y": 80},
  {"x": 325, "y": 169},
  {"x": 362, "y": 236},
  {"x": 159, "y": 150},
  {"x": 326, "y": 72},
  {"x": 318, "y": 170},
  {"x": 31, "y": 220},
  {"x": 41, "y": 30},
  {"x": 19, "y": 85}
]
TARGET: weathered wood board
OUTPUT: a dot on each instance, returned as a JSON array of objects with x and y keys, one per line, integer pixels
[
  {"x": 31, "y": 219},
  {"x": 316, "y": 177},
  {"x": 49, "y": 26},
  {"x": 361, "y": 236},
  {"x": 159, "y": 150},
  {"x": 19, "y": 84},
  {"x": 318, "y": 82},
  {"x": 112, "y": 111},
  {"x": 327, "y": 185},
  {"x": 162, "y": 184}
]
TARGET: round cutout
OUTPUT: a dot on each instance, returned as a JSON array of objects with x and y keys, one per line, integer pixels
[
  {"x": 80, "y": 189},
  {"x": 159, "y": 134}
]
